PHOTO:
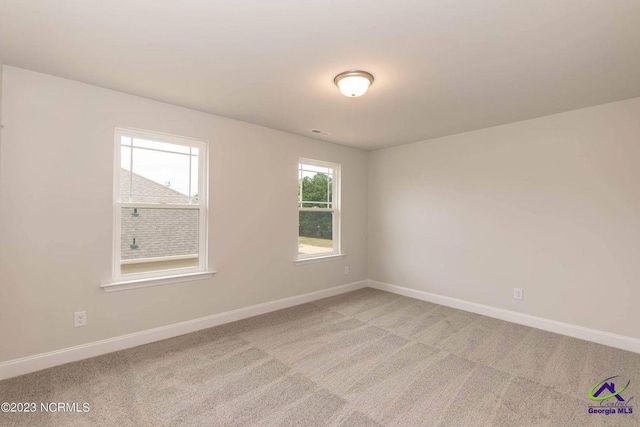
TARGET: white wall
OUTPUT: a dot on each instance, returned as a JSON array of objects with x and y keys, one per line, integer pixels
[
  {"x": 0, "y": 118},
  {"x": 56, "y": 206},
  {"x": 551, "y": 205}
]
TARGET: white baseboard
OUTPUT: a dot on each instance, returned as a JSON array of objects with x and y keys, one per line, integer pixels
[
  {"x": 593, "y": 335},
  {"x": 38, "y": 362}
]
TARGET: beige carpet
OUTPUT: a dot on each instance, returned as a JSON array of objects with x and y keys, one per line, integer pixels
[{"x": 365, "y": 358}]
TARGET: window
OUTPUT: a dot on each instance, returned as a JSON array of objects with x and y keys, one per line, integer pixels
[
  {"x": 160, "y": 205},
  {"x": 318, "y": 209}
]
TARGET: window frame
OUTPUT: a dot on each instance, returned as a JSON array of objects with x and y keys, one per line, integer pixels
[
  {"x": 201, "y": 206},
  {"x": 336, "y": 210}
]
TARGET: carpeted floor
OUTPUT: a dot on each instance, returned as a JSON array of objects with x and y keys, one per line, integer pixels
[{"x": 365, "y": 358}]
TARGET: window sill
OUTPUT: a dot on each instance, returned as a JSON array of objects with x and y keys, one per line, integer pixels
[
  {"x": 313, "y": 260},
  {"x": 156, "y": 281}
]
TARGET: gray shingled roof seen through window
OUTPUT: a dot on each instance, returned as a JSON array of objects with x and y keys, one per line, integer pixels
[{"x": 158, "y": 232}]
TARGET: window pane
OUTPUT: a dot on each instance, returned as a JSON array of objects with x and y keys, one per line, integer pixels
[
  {"x": 315, "y": 235},
  {"x": 315, "y": 189},
  {"x": 194, "y": 176},
  {"x": 164, "y": 146},
  {"x": 164, "y": 239},
  {"x": 158, "y": 172},
  {"x": 125, "y": 173},
  {"x": 312, "y": 168}
]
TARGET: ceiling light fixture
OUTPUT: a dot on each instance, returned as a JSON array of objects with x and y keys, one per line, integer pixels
[{"x": 353, "y": 83}]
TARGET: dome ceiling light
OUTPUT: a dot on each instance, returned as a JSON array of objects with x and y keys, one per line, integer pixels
[{"x": 353, "y": 83}]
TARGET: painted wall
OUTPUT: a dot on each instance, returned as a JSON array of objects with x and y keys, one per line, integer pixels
[
  {"x": 550, "y": 205},
  {"x": 1, "y": 118},
  {"x": 56, "y": 204}
]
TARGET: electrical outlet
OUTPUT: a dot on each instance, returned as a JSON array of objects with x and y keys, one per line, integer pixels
[
  {"x": 517, "y": 293},
  {"x": 79, "y": 319},
  {"x": 346, "y": 269}
]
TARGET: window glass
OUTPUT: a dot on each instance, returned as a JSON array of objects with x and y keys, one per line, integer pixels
[
  {"x": 315, "y": 188},
  {"x": 158, "y": 239},
  {"x": 158, "y": 172},
  {"x": 315, "y": 234}
]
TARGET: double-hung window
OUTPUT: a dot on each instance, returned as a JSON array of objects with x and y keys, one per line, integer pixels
[
  {"x": 318, "y": 209},
  {"x": 160, "y": 209}
]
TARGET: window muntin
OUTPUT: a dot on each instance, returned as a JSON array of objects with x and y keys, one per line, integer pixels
[
  {"x": 160, "y": 208},
  {"x": 318, "y": 210}
]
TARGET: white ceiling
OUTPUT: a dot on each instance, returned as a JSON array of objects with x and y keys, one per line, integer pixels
[{"x": 441, "y": 66}]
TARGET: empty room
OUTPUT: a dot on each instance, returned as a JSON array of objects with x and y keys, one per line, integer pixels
[{"x": 319, "y": 213}]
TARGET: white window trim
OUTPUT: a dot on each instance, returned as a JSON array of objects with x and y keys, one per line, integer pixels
[
  {"x": 337, "y": 214},
  {"x": 315, "y": 259},
  {"x": 136, "y": 280},
  {"x": 165, "y": 280}
]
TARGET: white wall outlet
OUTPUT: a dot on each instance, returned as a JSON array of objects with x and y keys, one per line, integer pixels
[
  {"x": 517, "y": 293},
  {"x": 79, "y": 319},
  {"x": 346, "y": 269}
]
